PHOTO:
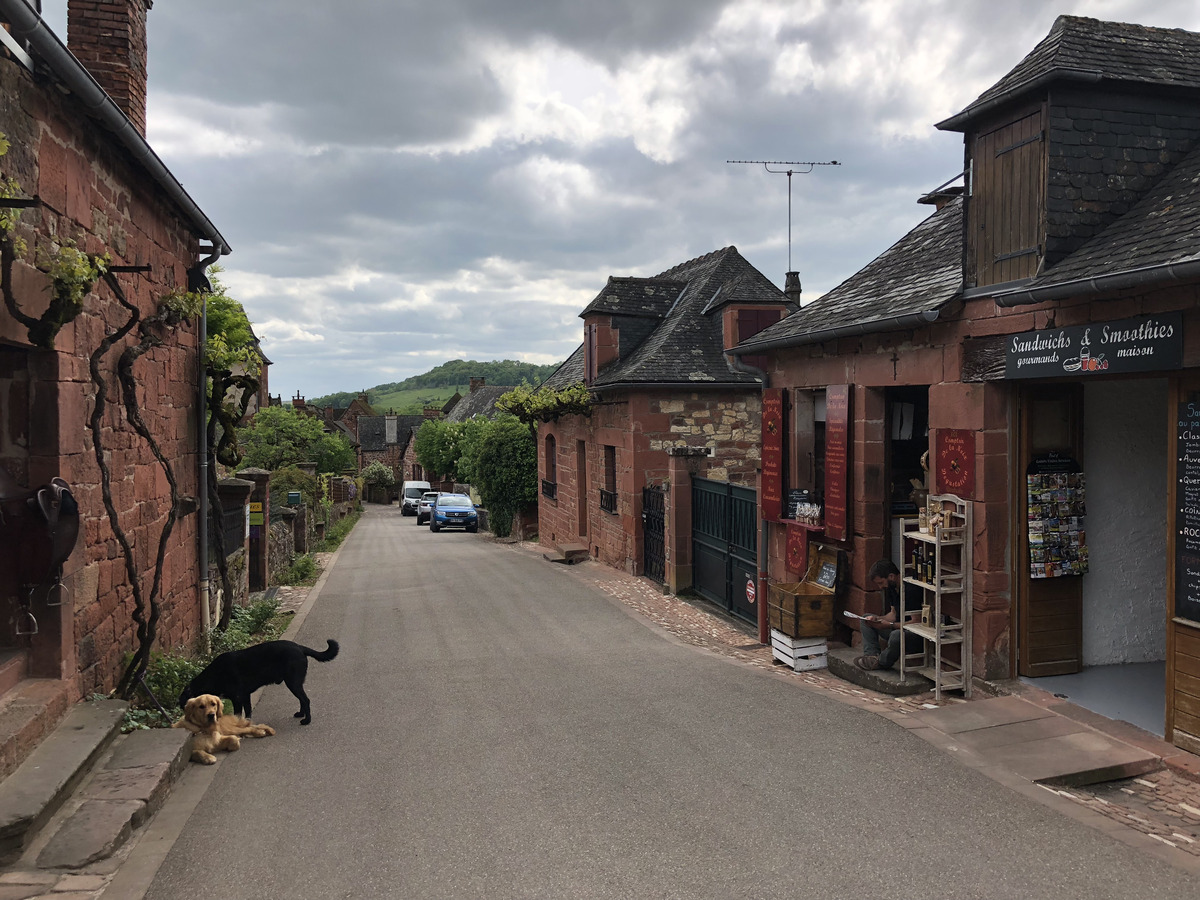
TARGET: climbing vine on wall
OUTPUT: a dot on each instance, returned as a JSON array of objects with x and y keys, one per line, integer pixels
[{"x": 546, "y": 404}]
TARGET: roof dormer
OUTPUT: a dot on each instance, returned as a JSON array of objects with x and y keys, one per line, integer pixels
[{"x": 1069, "y": 140}]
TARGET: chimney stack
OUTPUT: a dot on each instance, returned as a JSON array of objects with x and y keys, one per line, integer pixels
[
  {"x": 109, "y": 38},
  {"x": 791, "y": 287},
  {"x": 477, "y": 383}
]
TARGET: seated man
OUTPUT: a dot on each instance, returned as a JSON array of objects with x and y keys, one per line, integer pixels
[{"x": 885, "y": 577}]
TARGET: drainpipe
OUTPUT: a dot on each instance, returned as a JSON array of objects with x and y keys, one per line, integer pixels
[
  {"x": 764, "y": 636},
  {"x": 198, "y": 281}
]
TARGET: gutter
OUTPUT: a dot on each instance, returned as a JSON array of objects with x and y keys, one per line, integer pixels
[
  {"x": 27, "y": 25},
  {"x": 1131, "y": 278},
  {"x": 904, "y": 320}
]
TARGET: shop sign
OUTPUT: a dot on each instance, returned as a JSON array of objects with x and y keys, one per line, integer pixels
[
  {"x": 772, "y": 454},
  {"x": 837, "y": 460},
  {"x": 1187, "y": 512},
  {"x": 955, "y": 462},
  {"x": 1142, "y": 344},
  {"x": 796, "y": 556}
]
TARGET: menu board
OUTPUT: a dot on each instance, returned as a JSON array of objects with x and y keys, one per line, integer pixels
[
  {"x": 1056, "y": 495},
  {"x": 1187, "y": 512},
  {"x": 837, "y": 460}
]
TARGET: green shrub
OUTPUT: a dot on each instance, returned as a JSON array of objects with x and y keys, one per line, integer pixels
[
  {"x": 303, "y": 570},
  {"x": 336, "y": 533},
  {"x": 168, "y": 673}
]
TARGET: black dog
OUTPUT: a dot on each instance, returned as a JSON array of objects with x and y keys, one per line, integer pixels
[{"x": 239, "y": 673}]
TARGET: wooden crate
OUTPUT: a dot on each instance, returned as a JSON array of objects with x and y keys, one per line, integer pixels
[
  {"x": 800, "y": 609},
  {"x": 802, "y": 654},
  {"x": 804, "y": 609}
]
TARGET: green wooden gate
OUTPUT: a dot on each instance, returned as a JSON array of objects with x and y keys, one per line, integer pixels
[{"x": 725, "y": 544}]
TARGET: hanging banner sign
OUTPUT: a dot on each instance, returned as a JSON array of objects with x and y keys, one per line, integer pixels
[
  {"x": 771, "y": 493},
  {"x": 837, "y": 460},
  {"x": 1143, "y": 344},
  {"x": 796, "y": 556}
]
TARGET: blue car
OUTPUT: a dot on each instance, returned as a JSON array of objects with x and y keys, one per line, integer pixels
[{"x": 453, "y": 511}]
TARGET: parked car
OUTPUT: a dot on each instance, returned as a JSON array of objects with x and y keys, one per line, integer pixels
[
  {"x": 424, "y": 505},
  {"x": 410, "y": 496},
  {"x": 453, "y": 511}
]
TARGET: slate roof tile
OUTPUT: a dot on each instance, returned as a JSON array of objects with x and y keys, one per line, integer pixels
[
  {"x": 649, "y": 297},
  {"x": 920, "y": 273},
  {"x": 1162, "y": 228},
  {"x": 479, "y": 402},
  {"x": 1113, "y": 50},
  {"x": 688, "y": 345}
]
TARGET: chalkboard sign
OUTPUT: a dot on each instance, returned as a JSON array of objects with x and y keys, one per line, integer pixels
[
  {"x": 828, "y": 575},
  {"x": 1187, "y": 513}
]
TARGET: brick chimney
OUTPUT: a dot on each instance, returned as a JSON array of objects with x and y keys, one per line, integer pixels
[
  {"x": 477, "y": 383},
  {"x": 109, "y": 38}
]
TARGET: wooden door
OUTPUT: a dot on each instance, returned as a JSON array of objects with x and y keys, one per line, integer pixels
[{"x": 1049, "y": 610}]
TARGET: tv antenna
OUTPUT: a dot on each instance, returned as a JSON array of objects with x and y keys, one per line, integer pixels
[{"x": 792, "y": 278}]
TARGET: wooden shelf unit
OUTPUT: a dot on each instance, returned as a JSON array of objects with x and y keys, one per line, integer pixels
[{"x": 948, "y": 596}]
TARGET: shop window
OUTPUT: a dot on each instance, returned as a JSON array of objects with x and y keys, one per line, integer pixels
[
  {"x": 550, "y": 482},
  {"x": 806, "y": 439},
  {"x": 608, "y": 493}
]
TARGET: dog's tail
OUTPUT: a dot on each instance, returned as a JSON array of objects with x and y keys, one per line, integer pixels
[{"x": 323, "y": 655}]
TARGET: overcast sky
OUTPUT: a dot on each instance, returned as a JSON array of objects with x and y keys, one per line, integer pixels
[{"x": 405, "y": 183}]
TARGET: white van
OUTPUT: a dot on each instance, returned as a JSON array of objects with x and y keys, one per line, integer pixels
[{"x": 410, "y": 496}]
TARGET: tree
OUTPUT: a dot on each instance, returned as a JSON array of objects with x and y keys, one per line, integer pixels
[
  {"x": 438, "y": 447},
  {"x": 378, "y": 474},
  {"x": 280, "y": 436},
  {"x": 506, "y": 471}
]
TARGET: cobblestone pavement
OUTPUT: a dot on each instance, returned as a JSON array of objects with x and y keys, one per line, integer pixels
[{"x": 1164, "y": 804}]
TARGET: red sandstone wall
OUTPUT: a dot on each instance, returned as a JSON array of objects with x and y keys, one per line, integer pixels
[
  {"x": 934, "y": 356},
  {"x": 91, "y": 194},
  {"x": 642, "y": 427}
]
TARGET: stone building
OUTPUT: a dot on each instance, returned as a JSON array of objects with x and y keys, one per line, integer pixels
[
  {"x": 385, "y": 439},
  {"x": 75, "y": 120},
  {"x": 1043, "y": 322},
  {"x": 672, "y": 412}
]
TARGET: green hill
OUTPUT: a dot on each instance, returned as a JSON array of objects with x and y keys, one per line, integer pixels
[{"x": 435, "y": 387}]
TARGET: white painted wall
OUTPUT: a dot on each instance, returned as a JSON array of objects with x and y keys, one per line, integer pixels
[{"x": 1125, "y": 458}]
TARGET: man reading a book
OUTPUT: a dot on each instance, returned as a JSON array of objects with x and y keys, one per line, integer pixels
[{"x": 881, "y": 633}]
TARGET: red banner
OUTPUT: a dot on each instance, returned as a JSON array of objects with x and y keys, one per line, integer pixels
[
  {"x": 837, "y": 460},
  {"x": 954, "y": 465},
  {"x": 771, "y": 493},
  {"x": 797, "y": 549}
]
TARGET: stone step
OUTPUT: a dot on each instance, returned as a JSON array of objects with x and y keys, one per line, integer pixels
[
  {"x": 40, "y": 785},
  {"x": 28, "y": 712},
  {"x": 886, "y": 681},
  {"x": 574, "y": 552},
  {"x": 13, "y": 666},
  {"x": 126, "y": 789}
]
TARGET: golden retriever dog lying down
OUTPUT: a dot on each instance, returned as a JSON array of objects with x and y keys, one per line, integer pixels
[{"x": 212, "y": 730}]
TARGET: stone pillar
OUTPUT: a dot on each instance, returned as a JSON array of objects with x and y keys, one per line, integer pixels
[
  {"x": 259, "y": 556},
  {"x": 300, "y": 529},
  {"x": 678, "y": 525}
]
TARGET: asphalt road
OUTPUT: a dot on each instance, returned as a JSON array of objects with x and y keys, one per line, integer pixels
[{"x": 496, "y": 728}]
